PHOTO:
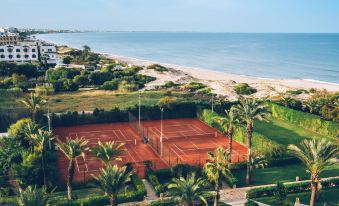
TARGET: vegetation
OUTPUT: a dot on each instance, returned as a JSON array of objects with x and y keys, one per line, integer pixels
[
  {"x": 244, "y": 89},
  {"x": 34, "y": 104},
  {"x": 108, "y": 151},
  {"x": 33, "y": 196},
  {"x": 216, "y": 169},
  {"x": 72, "y": 149},
  {"x": 113, "y": 180},
  {"x": 280, "y": 194},
  {"x": 157, "y": 68},
  {"x": 189, "y": 191},
  {"x": 248, "y": 110},
  {"x": 317, "y": 156},
  {"x": 228, "y": 123},
  {"x": 194, "y": 86}
]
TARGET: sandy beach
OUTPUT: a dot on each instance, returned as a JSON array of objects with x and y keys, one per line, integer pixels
[{"x": 222, "y": 83}]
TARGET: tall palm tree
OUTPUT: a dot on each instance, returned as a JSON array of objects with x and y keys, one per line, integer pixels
[
  {"x": 189, "y": 190},
  {"x": 113, "y": 180},
  {"x": 29, "y": 129},
  {"x": 109, "y": 151},
  {"x": 34, "y": 104},
  {"x": 72, "y": 149},
  {"x": 216, "y": 169},
  {"x": 33, "y": 196},
  {"x": 249, "y": 110},
  {"x": 317, "y": 155},
  {"x": 228, "y": 123},
  {"x": 40, "y": 140}
]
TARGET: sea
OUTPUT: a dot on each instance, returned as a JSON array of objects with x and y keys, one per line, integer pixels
[{"x": 309, "y": 56}]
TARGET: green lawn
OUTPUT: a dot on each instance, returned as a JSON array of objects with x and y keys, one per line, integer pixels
[
  {"x": 286, "y": 173},
  {"x": 283, "y": 132},
  {"x": 89, "y": 100},
  {"x": 329, "y": 196}
]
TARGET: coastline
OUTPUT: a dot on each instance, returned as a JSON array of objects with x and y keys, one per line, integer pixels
[{"x": 221, "y": 83}]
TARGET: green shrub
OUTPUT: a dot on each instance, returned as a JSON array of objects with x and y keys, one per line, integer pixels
[
  {"x": 251, "y": 203},
  {"x": 298, "y": 91},
  {"x": 244, "y": 88},
  {"x": 306, "y": 120},
  {"x": 12, "y": 92},
  {"x": 124, "y": 86},
  {"x": 164, "y": 202},
  {"x": 194, "y": 86},
  {"x": 170, "y": 84},
  {"x": 110, "y": 85},
  {"x": 157, "y": 68},
  {"x": 295, "y": 187},
  {"x": 44, "y": 90}
]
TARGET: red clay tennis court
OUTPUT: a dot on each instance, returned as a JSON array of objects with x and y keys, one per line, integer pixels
[
  {"x": 184, "y": 141},
  {"x": 86, "y": 166},
  {"x": 188, "y": 141}
]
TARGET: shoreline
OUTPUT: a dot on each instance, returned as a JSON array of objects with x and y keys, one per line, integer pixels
[{"x": 221, "y": 83}]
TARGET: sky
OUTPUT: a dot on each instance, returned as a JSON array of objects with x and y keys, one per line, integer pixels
[{"x": 174, "y": 15}]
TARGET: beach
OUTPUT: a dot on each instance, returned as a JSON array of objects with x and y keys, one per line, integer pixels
[{"x": 222, "y": 83}]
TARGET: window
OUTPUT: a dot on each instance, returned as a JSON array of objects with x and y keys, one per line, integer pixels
[
  {"x": 49, "y": 50},
  {"x": 33, "y": 50},
  {"x": 2, "y": 50},
  {"x": 2, "y": 56},
  {"x": 26, "y": 56},
  {"x": 10, "y": 56},
  {"x": 17, "y": 50},
  {"x": 18, "y": 56},
  {"x": 33, "y": 56},
  {"x": 43, "y": 50},
  {"x": 25, "y": 50},
  {"x": 10, "y": 50}
]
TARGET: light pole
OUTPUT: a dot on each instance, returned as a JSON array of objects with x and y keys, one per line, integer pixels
[
  {"x": 212, "y": 103},
  {"x": 49, "y": 125},
  {"x": 161, "y": 135},
  {"x": 139, "y": 113}
]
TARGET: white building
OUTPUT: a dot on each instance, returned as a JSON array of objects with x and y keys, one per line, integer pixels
[{"x": 29, "y": 51}]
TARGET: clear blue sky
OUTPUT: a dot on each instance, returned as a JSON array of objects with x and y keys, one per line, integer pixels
[{"x": 174, "y": 15}]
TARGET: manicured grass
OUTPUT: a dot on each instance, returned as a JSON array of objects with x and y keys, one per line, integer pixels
[
  {"x": 329, "y": 196},
  {"x": 286, "y": 173},
  {"x": 283, "y": 132},
  {"x": 89, "y": 100}
]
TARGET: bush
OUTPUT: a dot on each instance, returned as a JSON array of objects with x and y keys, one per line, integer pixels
[
  {"x": 306, "y": 120},
  {"x": 110, "y": 85},
  {"x": 244, "y": 88},
  {"x": 295, "y": 187},
  {"x": 194, "y": 86},
  {"x": 298, "y": 91},
  {"x": 44, "y": 90},
  {"x": 157, "y": 68},
  {"x": 251, "y": 203},
  {"x": 12, "y": 92},
  {"x": 124, "y": 86},
  {"x": 170, "y": 84}
]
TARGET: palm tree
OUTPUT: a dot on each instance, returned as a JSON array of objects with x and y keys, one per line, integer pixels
[
  {"x": 29, "y": 129},
  {"x": 33, "y": 196},
  {"x": 163, "y": 103},
  {"x": 317, "y": 155},
  {"x": 34, "y": 104},
  {"x": 189, "y": 190},
  {"x": 109, "y": 151},
  {"x": 113, "y": 180},
  {"x": 228, "y": 123},
  {"x": 40, "y": 140},
  {"x": 312, "y": 105},
  {"x": 249, "y": 110},
  {"x": 216, "y": 169},
  {"x": 72, "y": 149}
]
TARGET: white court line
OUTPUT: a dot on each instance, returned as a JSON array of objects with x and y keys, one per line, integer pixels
[
  {"x": 123, "y": 135},
  {"x": 177, "y": 153}
]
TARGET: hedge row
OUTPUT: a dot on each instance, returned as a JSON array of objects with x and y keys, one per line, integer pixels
[
  {"x": 177, "y": 110},
  {"x": 291, "y": 188},
  {"x": 260, "y": 142},
  {"x": 306, "y": 120},
  {"x": 97, "y": 200}
]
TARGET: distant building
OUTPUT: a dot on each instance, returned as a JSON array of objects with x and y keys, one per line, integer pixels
[
  {"x": 9, "y": 38},
  {"x": 29, "y": 51}
]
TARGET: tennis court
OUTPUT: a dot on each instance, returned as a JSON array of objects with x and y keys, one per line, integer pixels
[
  {"x": 87, "y": 165},
  {"x": 184, "y": 141},
  {"x": 188, "y": 141}
]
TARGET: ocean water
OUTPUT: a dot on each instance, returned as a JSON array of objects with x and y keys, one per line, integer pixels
[{"x": 281, "y": 56}]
